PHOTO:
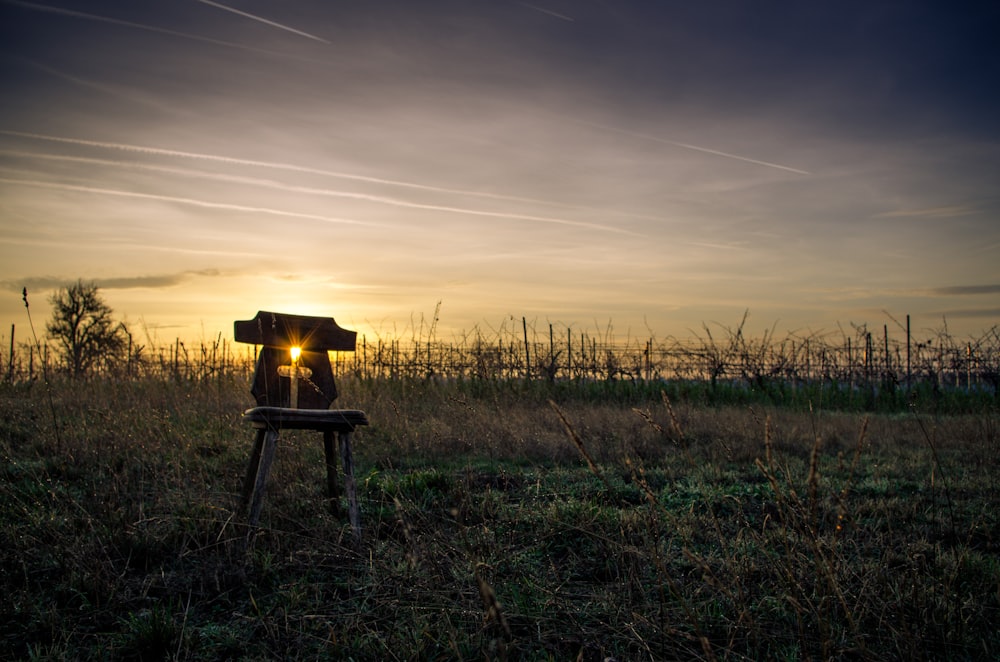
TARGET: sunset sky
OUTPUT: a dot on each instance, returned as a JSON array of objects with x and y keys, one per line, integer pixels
[{"x": 658, "y": 165}]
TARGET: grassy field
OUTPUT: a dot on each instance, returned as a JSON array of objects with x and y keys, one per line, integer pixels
[{"x": 501, "y": 521}]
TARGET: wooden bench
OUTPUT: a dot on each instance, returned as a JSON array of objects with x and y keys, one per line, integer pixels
[{"x": 294, "y": 388}]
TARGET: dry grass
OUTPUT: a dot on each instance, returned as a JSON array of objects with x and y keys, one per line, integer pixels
[{"x": 496, "y": 527}]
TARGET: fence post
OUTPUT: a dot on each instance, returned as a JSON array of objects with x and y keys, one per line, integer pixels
[
  {"x": 868, "y": 357},
  {"x": 552, "y": 354},
  {"x": 527, "y": 355},
  {"x": 593, "y": 355},
  {"x": 968, "y": 366},
  {"x": 885, "y": 338},
  {"x": 649, "y": 369},
  {"x": 850, "y": 365},
  {"x": 908, "y": 351},
  {"x": 807, "y": 359},
  {"x": 10, "y": 361},
  {"x": 569, "y": 352}
]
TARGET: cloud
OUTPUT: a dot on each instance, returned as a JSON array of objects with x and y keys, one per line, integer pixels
[
  {"x": 929, "y": 212},
  {"x": 45, "y": 283},
  {"x": 964, "y": 290},
  {"x": 155, "y": 282},
  {"x": 862, "y": 292},
  {"x": 968, "y": 313},
  {"x": 48, "y": 283}
]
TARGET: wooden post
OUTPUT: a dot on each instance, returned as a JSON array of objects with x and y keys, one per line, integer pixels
[
  {"x": 885, "y": 337},
  {"x": 266, "y": 459},
  {"x": 807, "y": 357},
  {"x": 968, "y": 366},
  {"x": 10, "y": 361},
  {"x": 332, "y": 490},
  {"x": 251, "y": 473},
  {"x": 907, "y": 351},
  {"x": 850, "y": 365},
  {"x": 868, "y": 356},
  {"x": 527, "y": 354},
  {"x": 353, "y": 509},
  {"x": 569, "y": 352},
  {"x": 552, "y": 354},
  {"x": 649, "y": 369}
]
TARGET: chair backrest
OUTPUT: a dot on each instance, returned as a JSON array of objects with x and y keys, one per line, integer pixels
[{"x": 279, "y": 333}]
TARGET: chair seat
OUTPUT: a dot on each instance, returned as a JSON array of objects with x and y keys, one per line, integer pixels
[{"x": 335, "y": 420}]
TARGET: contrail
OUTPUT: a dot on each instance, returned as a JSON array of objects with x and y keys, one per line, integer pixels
[
  {"x": 263, "y": 20},
  {"x": 283, "y": 166},
  {"x": 547, "y": 11},
  {"x": 695, "y": 148},
  {"x": 289, "y": 188},
  {"x": 705, "y": 244},
  {"x": 106, "y": 89},
  {"x": 186, "y": 201},
  {"x": 52, "y": 243},
  {"x": 385, "y": 200},
  {"x": 728, "y": 155},
  {"x": 148, "y": 28},
  {"x": 930, "y": 212}
]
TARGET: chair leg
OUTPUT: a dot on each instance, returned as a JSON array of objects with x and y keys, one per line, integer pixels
[
  {"x": 266, "y": 458},
  {"x": 353, "y": 510},
  {"x": 332, "y": 491},
  {"x": 251, "y": 474}
]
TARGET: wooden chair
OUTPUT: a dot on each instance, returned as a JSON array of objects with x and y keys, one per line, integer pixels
[{"x": 294, "y": 388}]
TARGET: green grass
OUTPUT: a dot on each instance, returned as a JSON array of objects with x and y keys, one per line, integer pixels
[{"x": 716, "y": 532}]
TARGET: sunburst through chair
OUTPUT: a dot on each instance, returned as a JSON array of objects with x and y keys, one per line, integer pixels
[{"x": 294, "y": 388}]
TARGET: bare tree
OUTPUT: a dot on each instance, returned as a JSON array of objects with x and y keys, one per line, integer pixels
[{"x": 83, "y": 328}]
